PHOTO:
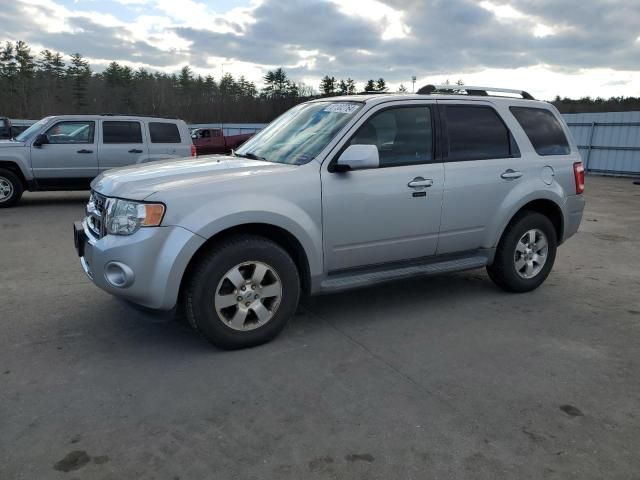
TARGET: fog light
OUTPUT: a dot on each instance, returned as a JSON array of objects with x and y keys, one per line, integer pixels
[{"x": 118, "y": 274}]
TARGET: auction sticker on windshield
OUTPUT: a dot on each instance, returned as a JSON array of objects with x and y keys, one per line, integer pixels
[{"x": 342, "y": 108}]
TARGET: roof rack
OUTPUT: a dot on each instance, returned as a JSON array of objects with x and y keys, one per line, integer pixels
[
  {"x": 469, "y": 90},
  {"x": 168, "y": 117}
]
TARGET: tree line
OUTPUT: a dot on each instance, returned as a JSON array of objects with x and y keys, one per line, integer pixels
[{"x": 36, "y": 85}]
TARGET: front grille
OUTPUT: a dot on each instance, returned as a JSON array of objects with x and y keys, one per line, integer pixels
[{"x": 96, "y": 209}]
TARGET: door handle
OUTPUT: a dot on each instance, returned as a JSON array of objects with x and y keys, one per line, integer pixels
[
  {"x": 420, "y": 182},
  {"x": 135, "y": 150},
  {"x": 511, "y": 174},
  {"x": 84, "y": 150}
]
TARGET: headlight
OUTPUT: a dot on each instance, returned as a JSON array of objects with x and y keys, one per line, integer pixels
[{"x": 125, "y": 217}]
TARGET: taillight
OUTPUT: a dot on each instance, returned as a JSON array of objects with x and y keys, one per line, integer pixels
[
  {"x": 193, "y": 150},
  {"x": 578, "y": 173}
]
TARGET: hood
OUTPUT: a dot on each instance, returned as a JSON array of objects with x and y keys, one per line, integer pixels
[{"x": 139, "y": 181}]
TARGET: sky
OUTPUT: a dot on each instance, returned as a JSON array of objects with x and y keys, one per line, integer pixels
[{"x": 569, "y": 48}]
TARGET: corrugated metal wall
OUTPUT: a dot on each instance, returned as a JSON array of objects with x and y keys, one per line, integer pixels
[{"x": 609, "y": 142}]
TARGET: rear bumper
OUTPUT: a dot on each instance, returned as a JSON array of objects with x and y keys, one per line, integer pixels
[
  {"x": 154, "y": 260},
  {"x": 573, "y": 215}
]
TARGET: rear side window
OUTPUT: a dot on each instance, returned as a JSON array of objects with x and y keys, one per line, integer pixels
[
  {"x": 121, "y": 132},
  {"x": 164, "y": 132},
  {"x": 543, "y": 129},
  {"x": 477, "y": 133}
]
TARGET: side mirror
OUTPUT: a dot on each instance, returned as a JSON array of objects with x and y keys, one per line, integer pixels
[
  {"x": 358, "y": 157},
  {"x": 40, "y": 140}
]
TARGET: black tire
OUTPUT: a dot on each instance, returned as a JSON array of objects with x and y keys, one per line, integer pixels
[
  {"x": 212, "y": 267},
  {"x": 503, "y": 271},
  {"x": 15, "y": 186}
]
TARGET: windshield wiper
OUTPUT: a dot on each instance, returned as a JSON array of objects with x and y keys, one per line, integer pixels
[{"x": 250, "y": 156}]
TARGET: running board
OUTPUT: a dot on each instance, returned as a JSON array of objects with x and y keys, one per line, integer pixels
[{"x": 345, "y": 281}]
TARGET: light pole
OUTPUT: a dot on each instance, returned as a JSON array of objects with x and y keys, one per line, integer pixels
[
  {"x": 413, "y": 81},
  {"x": 222, "y": 95}
]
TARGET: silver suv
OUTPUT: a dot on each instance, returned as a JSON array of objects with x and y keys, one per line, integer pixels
[
  {"x": 335, "y": 194},
  {"x": 67, "y": 152}
]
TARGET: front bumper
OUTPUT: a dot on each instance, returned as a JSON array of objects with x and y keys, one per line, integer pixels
[{"x": 154, "y": 259}]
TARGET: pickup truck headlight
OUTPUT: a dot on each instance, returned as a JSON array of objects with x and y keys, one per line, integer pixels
[{"x": 124, "y": 217}]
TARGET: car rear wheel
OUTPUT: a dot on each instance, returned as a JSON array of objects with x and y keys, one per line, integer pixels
[
  {"x": 10, "y": 188},
  {"x": 525, "y": 254},
  {"x": 242, "y": 292}
]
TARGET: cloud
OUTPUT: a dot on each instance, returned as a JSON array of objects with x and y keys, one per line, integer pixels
[{"x": 360, "y": 38}]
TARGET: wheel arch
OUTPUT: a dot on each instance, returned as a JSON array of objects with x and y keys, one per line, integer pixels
[
  {"x": 276, "y": 234},
  {"x": 544, "y": 206},
  {"x": 15, "y": 168}
]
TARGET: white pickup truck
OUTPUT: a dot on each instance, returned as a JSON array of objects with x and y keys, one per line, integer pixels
[{"x": 67, "y": 152}]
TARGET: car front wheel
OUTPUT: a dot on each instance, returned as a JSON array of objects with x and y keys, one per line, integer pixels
[
  {"x": 242, "y": 292},
  {"x": 10, "y": 188}
]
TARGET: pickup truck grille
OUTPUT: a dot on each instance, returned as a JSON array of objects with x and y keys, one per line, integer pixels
[{"x": 96, "y": 209}]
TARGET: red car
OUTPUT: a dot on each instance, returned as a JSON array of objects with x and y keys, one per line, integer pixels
[{"x": 212, "y": 140}]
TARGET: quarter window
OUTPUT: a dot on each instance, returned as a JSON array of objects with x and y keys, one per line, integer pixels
[
  {"x": 403, "y": 136},
  {"x": 543, "y": 129},
  {"x": 121, "y": 132},
  {"x": 161, "y": 132},
  {"x": 477, "y": 133}
]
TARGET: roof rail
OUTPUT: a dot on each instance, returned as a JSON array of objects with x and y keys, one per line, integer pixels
[
  {"x": 168, "y": 117},
  {"x": 469, "y": 90}
]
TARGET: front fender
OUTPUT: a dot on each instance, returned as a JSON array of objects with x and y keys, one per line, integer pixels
[
  {"x": 18, "y": 159},
  {"x": 242, "y": 209}
]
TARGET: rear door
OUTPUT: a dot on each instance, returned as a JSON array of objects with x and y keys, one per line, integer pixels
[
  {"x": 482, "y": 166},
  {"x": 70, "y": 157},
  {"x": 121, "y": 144},
  {"x": 166, "y": 140}
]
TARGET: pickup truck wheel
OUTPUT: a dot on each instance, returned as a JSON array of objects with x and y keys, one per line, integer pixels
[
  {"x": 243, "y": 292},
  {"x": 525, "y": 254},
  {"x": 10, "y": 188}
]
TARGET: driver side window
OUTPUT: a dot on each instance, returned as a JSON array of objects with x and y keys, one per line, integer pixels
[
  {"x": 71, "y": 133},
  {"x": 403, "y": 136}
]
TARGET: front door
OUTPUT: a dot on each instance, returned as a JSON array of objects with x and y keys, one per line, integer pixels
[
  {"x": 121, "y": 144},
  {"x": 69, "y": 158},
  {"x": 391, "y": 213}
]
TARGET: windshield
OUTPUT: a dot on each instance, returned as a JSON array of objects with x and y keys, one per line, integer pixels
[
  {"x": 30, "y": 132},
  {"x": 300, "y": 134}
]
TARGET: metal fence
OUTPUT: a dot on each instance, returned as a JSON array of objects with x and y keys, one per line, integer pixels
[{"x": 609, "y": 142}]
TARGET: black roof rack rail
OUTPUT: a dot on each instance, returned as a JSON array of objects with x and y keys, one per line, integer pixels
[
  {"x": 469, "y": 90},
  {"x": 372, "y": 93},
  {"x": 168, "y": 117}
]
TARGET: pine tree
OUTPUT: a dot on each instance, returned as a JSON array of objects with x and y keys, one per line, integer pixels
[
  {"x": 370, "y": 86},
  {"x": 328, "y": 86},
  {"x": 342, "y": 87},
  {"x": 185, "y": 78},
  {"x": 79, "y": 73},
  {"x": 402, "y": 88},
  {"x": 351, "y": 86},
  {"x": 381, "y": 85}
]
